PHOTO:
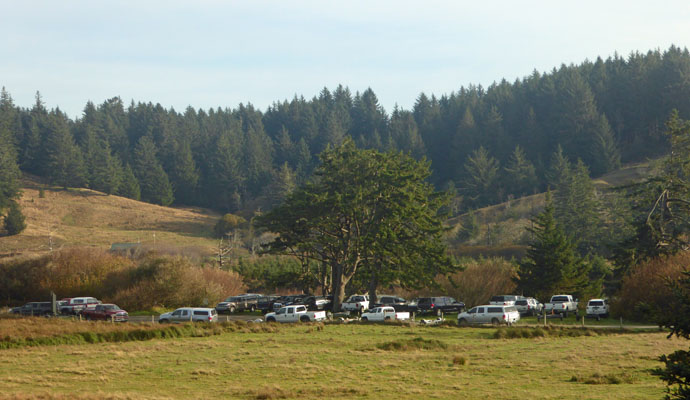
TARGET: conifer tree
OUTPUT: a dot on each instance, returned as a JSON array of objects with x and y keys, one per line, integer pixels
[
  {"x": 153, "y": 181},
  {"x": 482, "y": 177},
  {"x": 14, "y": 220},
  {"x": 551, "y": 264},
  {"x": 521, "y": 176},
  {"x": 129, "y": 186}
]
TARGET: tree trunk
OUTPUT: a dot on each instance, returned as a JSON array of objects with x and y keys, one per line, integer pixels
[
  {"x": 338, "y": 287},
  {"x": 373, "y": 284}
]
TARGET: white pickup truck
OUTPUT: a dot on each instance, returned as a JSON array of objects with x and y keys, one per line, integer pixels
[
  {"x": 296, "y": 313},
  {"x": 384, "y": 314},
  {"x": 561, "y": 304},
  {"x": 356, "y": 302}
]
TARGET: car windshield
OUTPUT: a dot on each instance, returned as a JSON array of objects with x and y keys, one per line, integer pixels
[
  {"x": 111, "y": 307},
  {"x": 521, "y": 303},
  {"x": 596, "y": 303},
  {"x": 424, "y": 300}
]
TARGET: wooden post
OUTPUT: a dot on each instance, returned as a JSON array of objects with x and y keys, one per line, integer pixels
[
  {"x": 544, "y": 315},
  {"x": 227, "y": 318},
  {"x": 583, "y": 321},
  {"x": 112, "y": 318},
  {"x": 621, "y": 323},
  {"x": 153, "y": 319}
]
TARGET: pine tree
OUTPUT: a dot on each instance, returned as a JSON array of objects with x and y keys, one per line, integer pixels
[
  {"x": 61, "y": 159},
  {"x": 9, "y": 171},
  {"x": 129, "y": 187},
  {"x": 551, "y": 264},
  {"x": 14, "y": 220},
  {"x": 153, "y": 181},
  {"x": 606, "y": 156},
  {"x": 521, "y": 176},
  {"x": 482, "y": 177}
]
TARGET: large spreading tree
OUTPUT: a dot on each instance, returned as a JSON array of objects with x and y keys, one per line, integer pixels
[{"x": 363, "y": 212}]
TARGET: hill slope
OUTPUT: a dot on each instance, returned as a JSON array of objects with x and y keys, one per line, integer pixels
[{"x": 83, "y": 217}]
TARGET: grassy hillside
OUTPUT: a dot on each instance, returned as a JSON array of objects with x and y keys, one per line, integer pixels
[
  {"x": 83, "y": 217},
  {"x": 502, "y": 226}
]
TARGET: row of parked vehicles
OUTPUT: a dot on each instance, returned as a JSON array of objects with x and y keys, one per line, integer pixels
[
  {"x": 503, "y": 309},
  {"x": 88, "y": 308}
]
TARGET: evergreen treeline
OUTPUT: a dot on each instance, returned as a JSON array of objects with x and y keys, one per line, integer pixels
[{"x": 487, "y": 143}]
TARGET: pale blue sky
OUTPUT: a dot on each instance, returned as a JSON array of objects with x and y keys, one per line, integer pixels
[{"x": 220, "y": 53}]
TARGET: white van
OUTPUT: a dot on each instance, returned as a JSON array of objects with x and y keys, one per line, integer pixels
[
  {"x": 489, "y": 314},
  {"x": 190, "y": 314}
]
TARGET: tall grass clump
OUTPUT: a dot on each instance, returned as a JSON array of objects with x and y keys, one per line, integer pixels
[{"x": 417, "y": 343}]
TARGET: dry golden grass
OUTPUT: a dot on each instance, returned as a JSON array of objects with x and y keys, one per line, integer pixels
[
  {"x": 36, "y": 327},
  {"x": 83, "y": 217}
]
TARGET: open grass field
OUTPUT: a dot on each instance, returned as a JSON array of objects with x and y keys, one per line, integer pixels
[
  {"x": 343, "y": 361},
  {"x": 83, "y": 217}
]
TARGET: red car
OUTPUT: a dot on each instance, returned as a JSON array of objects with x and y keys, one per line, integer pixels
[{"x": 105, "y": 312}]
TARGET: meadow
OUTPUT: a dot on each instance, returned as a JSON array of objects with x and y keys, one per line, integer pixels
[{"x": 300, "y": 361}]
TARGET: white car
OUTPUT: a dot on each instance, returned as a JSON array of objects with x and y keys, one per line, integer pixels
[
  {"x": 384, "y": 314},
  {"x": 356, "y": 302},
  {"x": 489, "y": 314},
  {"x": 297, "y": 313},
  {"x": 190, "y": 314},
  {"x": 597, "y": 308},
  {"x": 528, "y": 306},
  {"x": 504, "y": 300}
]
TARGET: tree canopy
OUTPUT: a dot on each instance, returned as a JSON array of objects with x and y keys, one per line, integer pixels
[{"x": 364, "y": 211}]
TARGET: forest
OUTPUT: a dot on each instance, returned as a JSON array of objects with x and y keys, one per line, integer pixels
[{"x": 485, "y": 145}]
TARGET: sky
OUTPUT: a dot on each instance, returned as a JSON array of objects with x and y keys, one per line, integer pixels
[{"x": 209, "y": 54}]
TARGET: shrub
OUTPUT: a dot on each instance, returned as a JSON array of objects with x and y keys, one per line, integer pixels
[
  {"x": 644, "y": 289},
  {"x": 14, "y": 220},
  {"x": 480, "y": 280},
  {"x": 228, "y": 223}
]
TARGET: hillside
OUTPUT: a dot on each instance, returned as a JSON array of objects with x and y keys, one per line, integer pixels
[
  {"x": 83, "y": 217},
  {"x": 502, "y": 226}
]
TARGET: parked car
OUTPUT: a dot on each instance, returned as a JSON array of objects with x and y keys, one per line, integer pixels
[
  {"x": 504, "y": 300},
  {"x": 74, "y": 305},
  {"x": 597, "y": 308},
  {"x": 297, "y": 313},
  {"x": 243, "y": 302},
  {"x": 105, "y": 312},
  {"x": 356, "y": 302},
  {"x": 398, "y": 303},
  {"x": 35, "y": 308},
  {"x": 316, "y": 303},
  {"x": 288, "y": 300},
  {"x": 561, "y": 304},
  {"x": 187, "y": 314},
  {"x": 265, "y": 303},
  {"x": 438, "y": 305},
  {"x": 384, "y": 314},
  {"x": 528, "y": 306},
  {"x": 489, "y": 314}
]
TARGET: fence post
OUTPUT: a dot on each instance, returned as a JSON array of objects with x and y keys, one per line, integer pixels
[
  {"x": 583, "y": 321},
  {"x": 544, "y": 315},
  {"x": 153, "y": 319},
  {"x": 621, "y": 323}
]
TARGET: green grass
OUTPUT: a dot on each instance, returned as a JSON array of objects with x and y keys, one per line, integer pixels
[{"x": 344, "y": 361}]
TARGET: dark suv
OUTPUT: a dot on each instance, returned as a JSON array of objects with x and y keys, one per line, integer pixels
[
  {"x": 43, "y": 308},
  {"x": 438, "y": 305},
  {"x": 398, "y": 303},
  {"x": 243, "y": 302}
]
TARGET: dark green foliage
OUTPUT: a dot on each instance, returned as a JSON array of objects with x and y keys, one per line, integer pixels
[
  {"x": 227, "y": 224},
  {"x": 604, "y": 113},
  {"x": 270, "y": 274},
  {"x": 129, "y": 187},
  {"x": 482, "y": 182},
  {"x": 9, "y": 171},
  {"x": 551, "y": 264},
  {"x": 14, "y": 220},
  {"x": 366, "y": 211},
  {"x": 676, "y": 316},
  {"x": 153, "y": 181}
]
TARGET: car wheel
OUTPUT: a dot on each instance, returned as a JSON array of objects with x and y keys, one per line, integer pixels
[
  {"x": 598, "y": 317},
  {"x": 163, "y": 321},
  {"x": 494, "y": 321},
  {"x": 387, "y": 318},
  {"x": 463, "y": 322},
  {"x": 270, "y": 319},
  {"x": 231, "y": 310},
  {"x": 252, "y": 308},
  {"x": 304, "y": 318}
]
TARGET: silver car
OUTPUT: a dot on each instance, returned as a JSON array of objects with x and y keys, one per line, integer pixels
[
  {"x": 190, "y": 314},
  {"x": 528, "y": 306},
  {"x": 489, "y": 314}
]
